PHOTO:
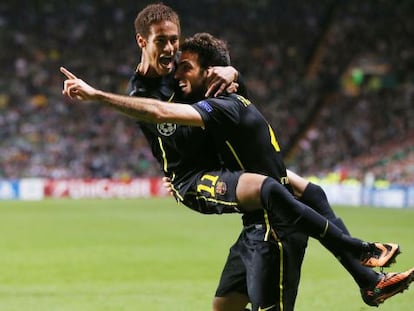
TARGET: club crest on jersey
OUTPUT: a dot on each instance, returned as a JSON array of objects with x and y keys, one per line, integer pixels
[
  {"x": 166, "y": 129},
  {"x": 221, "y": 188}
]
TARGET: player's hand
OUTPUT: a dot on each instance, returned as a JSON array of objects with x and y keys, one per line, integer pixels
[
  {"x": 166, "y": 183},
  {"x": 232, "y": 88},
  {"x": 76, "y": 88},
  {"x": 219, "y": 79}
]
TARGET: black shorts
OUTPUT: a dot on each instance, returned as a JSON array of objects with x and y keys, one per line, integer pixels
[
  {"x": 268, "y": 272},
  {"x": 213, "y": 192}
]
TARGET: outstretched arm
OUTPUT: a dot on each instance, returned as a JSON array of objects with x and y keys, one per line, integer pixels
[{"x": 144, "y": 109}]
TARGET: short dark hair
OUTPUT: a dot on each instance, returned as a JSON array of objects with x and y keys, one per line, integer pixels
[
  {"x": 152, "y": 14},
  {"x": 211, "y": 51}
]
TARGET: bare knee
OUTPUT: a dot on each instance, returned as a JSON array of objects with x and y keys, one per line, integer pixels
[
  {"x": 297, "y": 182},
  {"x": 231, "y": 302},
  {"x": 248, "y": 191}
]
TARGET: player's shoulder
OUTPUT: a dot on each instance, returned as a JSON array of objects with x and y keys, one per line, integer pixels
[
  {"x": 228, "y": 100},
  {"x": 136, "y": 85},
  {"x": 241, "y": 99},
  {"x": 232, "y": 97}
]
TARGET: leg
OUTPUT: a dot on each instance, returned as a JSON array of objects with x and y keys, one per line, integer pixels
[
  {"x": 375, "y": 287},
  {"x": 248, "y": 188},
  {"x": 264, "y": 262},
  {"x": 273, "y": 272},
  {"x": 295, "y": 244},
  {"x": 276, "y": 198},
  {"x": 298, "y": 183},
  {"x": 248, "y": 191},
  {"x": 231, "y": 293},
  {"x": 274, "y": 266},
  {"x": 257, "y": 191},
  {"x": 230, "y": 302},
  {"x": 270, "y": 270},
  {"x": 315, "y": 197},
  {"x": 214, "y": 194}
]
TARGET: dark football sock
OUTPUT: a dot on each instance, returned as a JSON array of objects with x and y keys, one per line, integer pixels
[
  {"x": 362, "y": 275},
  {"x": 314, "y": 196},
  {"x": 276, "y": 198}
]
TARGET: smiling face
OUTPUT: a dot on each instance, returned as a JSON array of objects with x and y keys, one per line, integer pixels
[
  {"x": 192, "y": 78},
  {"x": 159, "y": 48}
]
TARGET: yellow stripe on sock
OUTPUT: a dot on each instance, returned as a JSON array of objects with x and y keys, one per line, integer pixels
[{"x": 325, "y": 230}]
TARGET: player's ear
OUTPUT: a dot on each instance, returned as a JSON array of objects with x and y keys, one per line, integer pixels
[
  {"x": 140, "y": 40},
  {"x": 207, "y": 71}
]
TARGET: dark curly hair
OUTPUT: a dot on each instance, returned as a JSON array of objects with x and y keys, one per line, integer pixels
[{"x": 211, "y": 51}]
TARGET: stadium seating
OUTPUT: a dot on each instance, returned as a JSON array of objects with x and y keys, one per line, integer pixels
[{"x": 335, "y": 78}]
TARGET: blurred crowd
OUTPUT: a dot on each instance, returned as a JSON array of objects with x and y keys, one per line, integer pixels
[
  {"x": 365, "y": 125},
  {"x": 335, "y": 79}
]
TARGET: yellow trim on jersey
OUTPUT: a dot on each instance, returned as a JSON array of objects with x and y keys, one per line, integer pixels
[
  {"x": 265, "y": 214},
  {"x": 164, "y": 157},
  {"x": 279, "y": 243},
  {"x": 273, "y": 139},
  {"x": 268, "y": 228},
  {"x": 177, "y": 194},
  {"x": 200, "y": 197},
  {"x": 244, "y": 100},
  {"x": 281, "y": 271},
  {"x": 322, "y": 235},
  {"x": 234, "y": 154},
  {"x": 171, "y": 98}
]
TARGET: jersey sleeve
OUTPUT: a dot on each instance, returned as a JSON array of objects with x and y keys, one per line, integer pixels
[{"x": 218, "y": 111}]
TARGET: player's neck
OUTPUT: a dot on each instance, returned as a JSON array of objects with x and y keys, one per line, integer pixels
[
  {"x": 195, "y": 96},
  {"x": 144, "y": 69}
]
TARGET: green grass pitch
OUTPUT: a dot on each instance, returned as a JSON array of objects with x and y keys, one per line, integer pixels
[{"x": 152, "y": 254}]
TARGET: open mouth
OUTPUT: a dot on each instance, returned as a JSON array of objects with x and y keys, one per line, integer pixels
[
  {"x": 182, "y": 85},
  {"x": 166, "y": 60}
]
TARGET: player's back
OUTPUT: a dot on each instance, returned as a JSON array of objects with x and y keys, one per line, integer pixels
[{"x": 243, "y": 137}]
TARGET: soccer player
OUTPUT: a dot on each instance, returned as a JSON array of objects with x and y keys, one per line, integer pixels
[
  {"x": 164, "y": 64},
  {"x": 231, "y": 121},
  {"x": 158, "y": 29}
]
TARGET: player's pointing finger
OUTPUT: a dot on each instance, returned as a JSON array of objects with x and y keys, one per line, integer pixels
[{"x": 67, "y": 73}]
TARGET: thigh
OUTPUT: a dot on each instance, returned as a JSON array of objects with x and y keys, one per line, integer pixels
[
  {"x": 233, "y": 276},
  {"x": 249, "y": 191},
  {"x": 253, "y": 272},
  {"x": 231, "y": 293},
  {"x": 294, "y": 248},
  {"x": 273, "y": 269}
]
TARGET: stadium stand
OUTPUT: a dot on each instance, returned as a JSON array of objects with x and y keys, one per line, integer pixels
[{"x": 335, "y": 78}]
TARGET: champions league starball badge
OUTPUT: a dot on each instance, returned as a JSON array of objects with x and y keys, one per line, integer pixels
[{"x": 166, "y": 129}]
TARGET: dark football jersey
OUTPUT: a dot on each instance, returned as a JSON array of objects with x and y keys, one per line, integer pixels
[
  {"x": 243, "y": 137},
  {"x": 181, "y": 151},
  {"x": 245, "y": 141}
]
